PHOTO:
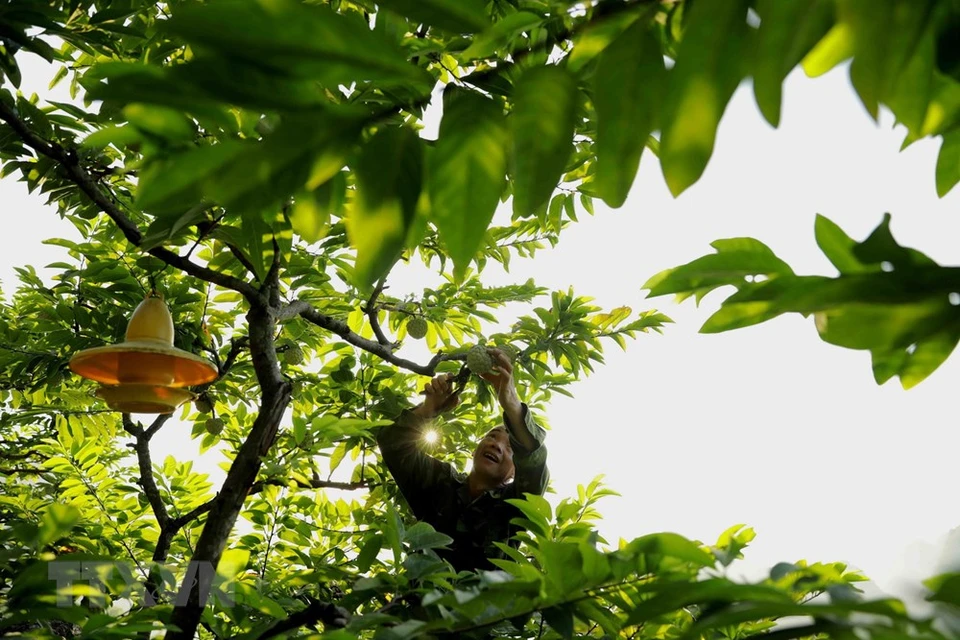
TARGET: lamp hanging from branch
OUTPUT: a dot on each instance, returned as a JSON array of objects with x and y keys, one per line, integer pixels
[{"x": 145, "y": 373}]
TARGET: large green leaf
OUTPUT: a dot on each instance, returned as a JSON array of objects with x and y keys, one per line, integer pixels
[
  {"x": 457, "y": 16},
  {"x": 709, "y": 67},
  {"x": 673, "y": 545},
  {"x": 312, "y": 209},
  {"x": 175, "y": 183},
  {"x": 736, "y": 258},
  {"x": 294, "y": 39},
  {"x": 543, "y": 121},
  {"x": 305, "y": 150},
  {"x": 885, "y": 35},
  {"x": 948, "y": 163},
  {"x": 500, "y": 35},
  {"x": 627, "y": 89},
  {"x": 671, "y": 596},
  {"x": 600, "y": 33},
  {"x": 788, "y": 30},
  {"x": 467, "y": 172},
  {"x": 389, "y": 175}
]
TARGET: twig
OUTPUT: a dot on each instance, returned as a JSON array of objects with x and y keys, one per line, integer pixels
[
  {"x": 372, "y": 310},
  {"x": 328, "y": 613},
  {"x": 342, "y": 329}
]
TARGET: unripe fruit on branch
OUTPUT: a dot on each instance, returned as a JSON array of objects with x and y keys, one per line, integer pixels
[
  {"x": 417, "y": 328},
  {"x": 293, "y": 355},
  {"x": 479, "y": 360}
]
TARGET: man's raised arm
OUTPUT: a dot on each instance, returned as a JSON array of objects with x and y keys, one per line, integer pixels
[
  {"x": 526, "y": 436},
  {"x": 402, "y": 446}
]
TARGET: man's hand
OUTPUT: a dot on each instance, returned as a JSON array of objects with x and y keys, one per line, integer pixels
[
  {"x": 501, "y": 378},
  {"x": 440, "y": 397}
]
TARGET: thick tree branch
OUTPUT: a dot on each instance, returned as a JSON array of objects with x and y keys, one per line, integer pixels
[
  {"x": 332, "y": 617},
  {"x": 70, "y": 164},
  {"x": 225, "y": 508},
  {"x": 342, "y": 329},
  {"x": 26, "y": 471}
]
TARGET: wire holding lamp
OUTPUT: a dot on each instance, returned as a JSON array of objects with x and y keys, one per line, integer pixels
[{"x": 145, "y": 373}]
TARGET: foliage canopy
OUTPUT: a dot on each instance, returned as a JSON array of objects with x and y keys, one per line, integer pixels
[{"x": 262, "y": 165}]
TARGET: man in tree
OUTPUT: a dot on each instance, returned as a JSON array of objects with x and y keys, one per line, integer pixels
[{"x": 471, "y": 508}]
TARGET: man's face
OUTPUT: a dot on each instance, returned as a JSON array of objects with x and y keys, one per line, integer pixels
[{"x": 493, "y": 459}]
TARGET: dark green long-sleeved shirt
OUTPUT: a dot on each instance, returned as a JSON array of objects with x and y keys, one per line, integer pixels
[{"x": 438, "y": 494}]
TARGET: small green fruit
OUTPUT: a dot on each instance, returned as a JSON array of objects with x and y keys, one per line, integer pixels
[
  {"x": 203, "y": 404},
  {"x": 213, "y": 426},
  {"x": 479, "y": 360},
  {"x": 293, "y": 355},
  {"x": 417, "y": 327}
]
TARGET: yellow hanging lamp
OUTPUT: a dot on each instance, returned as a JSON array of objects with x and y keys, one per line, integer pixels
[{"x": 145, "y": 373}]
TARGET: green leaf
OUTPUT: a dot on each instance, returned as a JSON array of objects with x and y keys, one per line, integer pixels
[
  {"x": 671, "y": 596},
  {"x": 368, "y": 553},
  {"x": 423, "y": 536},
  {"x": 838, "y": 246},
  {"x": 294, "y": 39},
  {"x": 708, "y": 70},
  {"x": 175, "y": 183},
  {"x": 909, "y": 95},
  {"x": 599, "y": 33},
  {"x": 305, "y": 150},
  {"x": 543, "y": 121},
  {"x": 389, "y": 176},
  {"x": 57, "y": 521},
  {"x": 500, "y": 35},
  {"x": 161, "y": 122},
  {"x": 898, "y": 25},
  {"x": 628, "y": 85},
  {"x": 311, "y": 210},
  {"x": 736, "y": 258},
  {"x": 834, "y": 48},
  {"x": 467, "y": 172},
  {"x": 787, "y": 33},
  {"x": 948, "y": 163},
  {"x": 560, "y": 619},
  {"x": 456, "y": 16},
  {"x": 232, "y": 562},
  {"x": 673, "y": 545}
]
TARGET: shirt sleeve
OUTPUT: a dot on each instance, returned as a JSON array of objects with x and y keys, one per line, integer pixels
[
  {"x": 531, "y": 474},
  {"x": 417, "y": 474}
]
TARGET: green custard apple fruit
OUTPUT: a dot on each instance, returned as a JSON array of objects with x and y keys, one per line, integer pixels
[
  {"x": 213, "y": 426},
  {"x": 293, "y": 355},
  {"x": 417, "y": 327},
  {"x": 203, "y": 404},
  {"x": 479, "y": 360}
]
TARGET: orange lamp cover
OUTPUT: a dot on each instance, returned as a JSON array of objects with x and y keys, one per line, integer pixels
[{"x": 145, "y": 359}]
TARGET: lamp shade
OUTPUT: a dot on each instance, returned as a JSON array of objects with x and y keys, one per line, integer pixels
[{"x": 147, "y": 356}]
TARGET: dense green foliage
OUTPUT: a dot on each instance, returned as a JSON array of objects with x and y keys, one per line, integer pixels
[{"x": 261, "y": 164}]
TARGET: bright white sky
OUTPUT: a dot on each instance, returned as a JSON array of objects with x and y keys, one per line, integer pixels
[{"x": 766, "y": 426}]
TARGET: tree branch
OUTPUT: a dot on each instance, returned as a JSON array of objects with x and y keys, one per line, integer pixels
[
  {"x": 329, "y": 614},
  {"x": 342, "y": 329},
  {"x": 313, "y": 484},
  {"x": 147, "y": 482},
  {"x": 371, "y": 310},
  {"x": 70, "y": 163}
]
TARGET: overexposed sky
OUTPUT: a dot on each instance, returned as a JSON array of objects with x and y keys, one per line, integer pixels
[{"x": 768, "y": 425}]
